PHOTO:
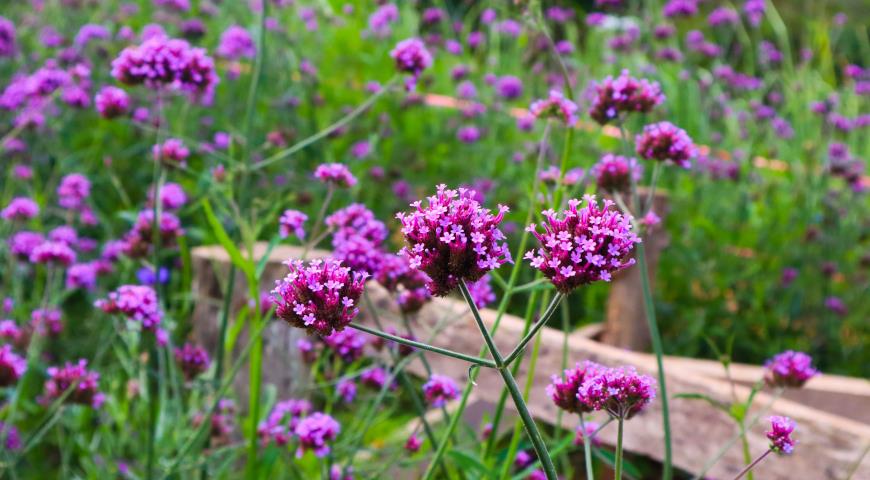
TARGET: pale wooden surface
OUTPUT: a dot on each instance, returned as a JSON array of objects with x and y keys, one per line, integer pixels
[{"x": 829, "y": 443}]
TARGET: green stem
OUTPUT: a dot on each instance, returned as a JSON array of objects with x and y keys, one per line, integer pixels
[
  {"x": 752, "y": 465},
  {"x": 326, "y": 131},
  {"x": 747, "y": 456},
  {"x": 222, "y": 335},
  {"x": 423, "y": 346},
  {"x": 587, "y": 449},
  {"x": 617, "y": 468},
  {"x": 649, "y": 309},
  {"x": 256, "y": 379},
  {"x": 551, "y": 309},
  {"x": 513, "y": 388}
]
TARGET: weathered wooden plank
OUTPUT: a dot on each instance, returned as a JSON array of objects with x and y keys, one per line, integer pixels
[{"x": 830, "y": 443}]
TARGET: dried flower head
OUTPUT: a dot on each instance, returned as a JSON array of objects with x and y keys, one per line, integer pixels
[
  {"x": 320, "y": 297},
  {"x": 453, "y": 239},
  {"x": 583, "y": 246}
]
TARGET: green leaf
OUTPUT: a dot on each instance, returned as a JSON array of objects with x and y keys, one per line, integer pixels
[
  {"x": 467, "y": 461},
  {"x": 700, "y": 396},
  {"x": 226, "y": 242}
]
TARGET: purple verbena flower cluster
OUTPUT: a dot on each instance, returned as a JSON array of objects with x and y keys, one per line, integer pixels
[
  {"x": 84, "y": 383},
  {"x": 279, "y": 426},
  {"x": 320, "y": 297},
  {"x": 622, "y": 392},
  {"x": 666, "y": 142},
  {"x": 439, "y": 390},
  {"x": 335, "y": 174},
  {"x": 615, "y": 173},
  {"x": 555, "y": 106},
  {"x": 411, "y": 57},
  {"x": 779, "y": 434},
  {"x": 583, "y": 246},
  {"x": 563, "y": 390},
  {"x": 292, "y": 222},
  {"x": 453, "y": 238},
  {"x": 315, "y": 432},
  {"x": 625, "y": 94},
  {"x": 789, "y": 369},
  {"x": 12, "y": 366},
  {"x": 136, "y": 302},
  {"x": 192, "y": 360}
]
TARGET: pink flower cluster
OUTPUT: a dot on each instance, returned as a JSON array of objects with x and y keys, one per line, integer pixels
[
  {"x": 615, "y": 173},
  {"x": 172, "y": 152},
  {"x": 12, "y": 366},
  {"x": 292, "y": 221},
  {"x": 453, "y": 239},
  {"x": 439, "y": 390},
  {"x": 789, "y": 369},
  {"x": 563, "y": 390},
  {"x": 86, "y": 390},
  {"x": 556, "y": 106},
  {"x": 73, "y": 190},
  {"x": 192, "y": 360},
  {"x": 583, "y": 246},
  {"x": 411, "y": 57},
  {"x": 407, "y": 284},
  {"x": 161, "y": 62},
  {"x": 622, "y": 392},
  {"x": 236, "y": 43},
  {"x": 320, "y": 297},
  {"x": 137, "y": 242},
  {"x": 279, "y": 426},
  {"x": 20, "y": 208},
  {"x": 779, "y": 434},
  {"x": 53, "y": 253},
  {"x": 314, "y": 432},
  {"x": 136, "y": 302},
  {"x": 112, "y": 102},
  {"x": 666, "y": 142},
  {"x": 624, "y": 94},
  {"x": 335, "y": 174},
  {"x": 221, "y": 421},
  {"x": 347, "y": 344}
]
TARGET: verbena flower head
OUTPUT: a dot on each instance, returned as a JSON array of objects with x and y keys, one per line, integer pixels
[
  {"x": 9, "y": 432},
  {"x": 439, "y": 390},
  {"x": 86, "y": 390},
  {"x": 320, "y": 296},
  {"x": 282, "y": 421},
  {"x": 407, "y": 284},
  {"x": 680, "y": 8},
  {"x": 172, "y": 152},
  {"x": 509, "y": 87},
  {"x": 23, "y": 243},
  {"x": 356, "y": 220},
  {"x": 82, "y": 275},
  {"x": 583, "y": 246},
  {"x": 359, "y": 254},
  {"x": 7, "y": 38},
  {"x": 46, "y": 322},
  {"x": 375, "y": 378},
  {"x": 563, "y": 390},
  {"x": 347, "y": 344},
  {"x": 192, "y": 359},
  {"x": 335, "y": 174},
  {"x": 614, "y": 173},
  {"x": 53, "y": 253},
  {"x": 222, "y": 422},
  {"x": 20, "y": 208},
  {"x": 413, "y": 444},
  {"x": 453, "y": 238},
  {"x": 481, "y": 292},
  {"x": 555, "y": 106},
  {"x": 137, "y": 242},
  {"x": 136, "y": 302},
  {"x": 622, "y": 392},
  {"x": 625, "y": 94},
  {"x": 172, "y": 196},
  {"x": 346, "y": 389},
  {"x": 666, "y": 142},
  {"x": 315, "y": 432},
  {"x": 236, "y": 43},
  {"x": 12, "y": 366},
  {"x": 292, "y": 222},
  {"x": 161, "y": 62},
  {"x": 73, "y": 190},
  {"x": 789, "y": 369},
  {"x": 411, "y": 57},
  {"x": 112, "y": 102},
  {"x": 779, "y": 434}
]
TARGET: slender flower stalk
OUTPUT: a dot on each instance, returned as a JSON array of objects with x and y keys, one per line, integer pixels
[{"x": 617, "y": 463}]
